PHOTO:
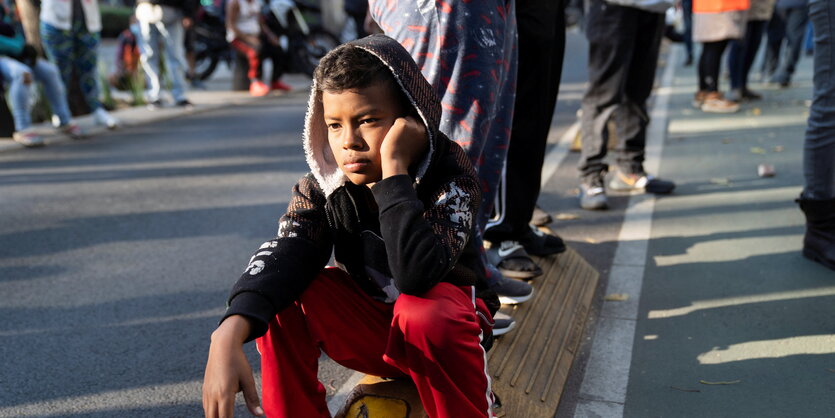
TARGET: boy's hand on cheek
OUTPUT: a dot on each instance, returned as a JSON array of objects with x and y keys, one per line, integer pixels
[{"x": 403, "y": 145}]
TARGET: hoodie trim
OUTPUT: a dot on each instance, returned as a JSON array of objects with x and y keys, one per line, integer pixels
[
  {"x": 317, "y": 151},
  {"x": 319, "y": 156}
]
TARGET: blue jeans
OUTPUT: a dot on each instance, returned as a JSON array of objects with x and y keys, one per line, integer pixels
[
  {"x": 21, "y": 96},
  {"x": 742, "y": 52},
  {"x": 819, "y": 147},
  {"x": 75, "y": 50},
  {"x": 796, "y": 19},
  {"x": 687, "y": 13},
  {"x": 164, "y": 37}
]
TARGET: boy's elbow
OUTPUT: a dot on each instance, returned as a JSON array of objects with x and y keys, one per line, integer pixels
[
  {"x": 414, "y": 284},
  {"x": 407, "y": 285}
]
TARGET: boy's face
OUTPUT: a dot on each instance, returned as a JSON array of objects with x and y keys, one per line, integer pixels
[{"x": 358, "y": 121}]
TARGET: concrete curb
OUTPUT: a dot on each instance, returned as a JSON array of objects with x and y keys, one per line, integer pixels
[{"x": 203, "y": 100}]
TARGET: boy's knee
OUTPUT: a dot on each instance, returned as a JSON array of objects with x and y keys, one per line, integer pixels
[{"x": 439, "y": 320}]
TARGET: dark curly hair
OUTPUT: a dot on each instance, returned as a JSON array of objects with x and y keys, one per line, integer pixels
[{"x": 350, "y": 67}]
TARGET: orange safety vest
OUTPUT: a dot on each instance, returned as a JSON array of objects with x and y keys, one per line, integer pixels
[{"x": 718, "y": 6}]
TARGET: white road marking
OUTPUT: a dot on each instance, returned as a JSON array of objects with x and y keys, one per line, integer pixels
[{"x": 603, "y": 391}]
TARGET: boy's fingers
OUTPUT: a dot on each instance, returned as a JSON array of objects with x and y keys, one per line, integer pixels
[
  {"x": 210, "y": 408},
  {"x": 227, "y": 408},
  {"x": 251, "y": 395}
]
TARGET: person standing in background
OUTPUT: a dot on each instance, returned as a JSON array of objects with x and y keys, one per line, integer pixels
[
  {"x": 687, "y": 16},
  {"x": 70, "y": 30},
  {"x": 817, "y": 201},
  {"x": 795, "y": 15},
  {"x": 715, "y": 23},
  {"x": 624, "y": 41},
  {"x": 20, "y": 68},
  {"x": 161, "y": 24},
  {"x": 467, "y": 51},
  {"x": 742, "y": 52},
  {"x": 541, "y": 26}
]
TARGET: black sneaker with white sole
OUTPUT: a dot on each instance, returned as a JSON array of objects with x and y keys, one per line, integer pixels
[
  {"x": 512, "y": 291},
  {"x": 503, "y": 323},
  {"x": 537, "y": 242},
  {"x": 513, "y": 261}
]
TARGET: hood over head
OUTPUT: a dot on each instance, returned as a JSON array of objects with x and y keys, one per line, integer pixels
[{"x": 411, "y": 81}]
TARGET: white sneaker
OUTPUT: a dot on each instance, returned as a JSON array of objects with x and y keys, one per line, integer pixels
[
  {"x": 73, "y": 131},
  {"x": 28, "y": 139},
  {"x": 102, "y": 118}
]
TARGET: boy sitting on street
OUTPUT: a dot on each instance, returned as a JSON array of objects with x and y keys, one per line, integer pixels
[{"x": 395, "y": 200}]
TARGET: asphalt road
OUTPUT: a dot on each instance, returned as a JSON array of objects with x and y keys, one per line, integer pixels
[{"x": 117, "y": 253}]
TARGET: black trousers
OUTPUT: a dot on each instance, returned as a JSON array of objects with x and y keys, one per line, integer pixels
[
  {"x": 623, "y": 54},
  {"x": 541, "y": 29},
  {"x": 709, "y": 65}
]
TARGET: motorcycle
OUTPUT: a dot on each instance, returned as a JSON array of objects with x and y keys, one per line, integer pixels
[
  {"x": 303, "y": 40},
  {"x": 210, "y": 45}
]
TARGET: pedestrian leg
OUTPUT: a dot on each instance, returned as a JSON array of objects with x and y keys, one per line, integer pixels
[
  {"x": 172, "y": 38},
  {"x": 56, "y": 93},
  {"x": 148, "y": 41},
  {"x": 20, "y": 94},
  {"x": 86, "y": 63}
]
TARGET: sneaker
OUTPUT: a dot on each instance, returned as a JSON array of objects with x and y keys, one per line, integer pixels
[
  {"x": 593, "y": 195},
  {"x": 502, "y": 324},
  {"x": 537, "y": 242},
  {"x": 735, "y": 96},
  {"x": 257, "y": 88},
  {"x": 73, "y": 131},
  {"x": 102, "y": 118},
  {"x": 783, "y": 79},
  {"x": 28, "y": 139},
  {"x": 540, "y": 217},
  {"x": 154, "y": 104},
  {"x": 513, "y": 261},
  {"x": 640, "y": 182},
  {"x": 278, "y": 85},
  {"x": 699, "y": 99},
  {"x": 716, "y": 103},
  {"x": 185, "y": 103},
  {"x": 751, "y": 95},
  {"x": 512, "y": 291}
]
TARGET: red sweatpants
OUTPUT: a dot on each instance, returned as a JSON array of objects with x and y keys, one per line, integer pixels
[
  {"x": 252, "y": 55},
  {"x": 434, "y": 339}
]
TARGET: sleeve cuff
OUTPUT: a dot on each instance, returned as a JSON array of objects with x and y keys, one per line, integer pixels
[{"x": 254, "y": 307}]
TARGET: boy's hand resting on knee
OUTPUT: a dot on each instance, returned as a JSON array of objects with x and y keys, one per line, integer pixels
[
  {"x": 228, "y": 371},
  {"x": 404, "y": 144}
]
